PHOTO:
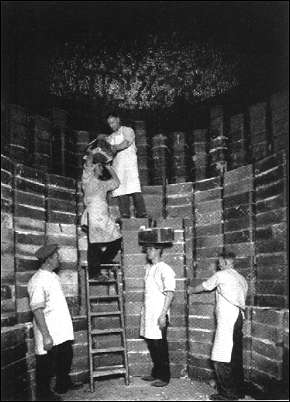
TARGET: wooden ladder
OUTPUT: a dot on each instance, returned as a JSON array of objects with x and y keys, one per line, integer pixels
[{"x": 115, "y": 283}]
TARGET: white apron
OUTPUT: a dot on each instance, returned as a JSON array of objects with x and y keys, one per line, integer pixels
[
  {"x": 153, "y": 305},
  {"x": 125, "y": 165},
  {"x": 226, "y": 314}
]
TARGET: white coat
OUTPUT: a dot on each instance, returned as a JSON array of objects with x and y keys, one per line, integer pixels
[
  {"x": 125, "y": 162},
  {"x": 231, "y": 291},
  {"x": 159, "y": 278}
]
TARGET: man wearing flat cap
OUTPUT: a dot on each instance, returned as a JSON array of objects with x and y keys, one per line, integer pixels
[{"x": 52, "y": 326}]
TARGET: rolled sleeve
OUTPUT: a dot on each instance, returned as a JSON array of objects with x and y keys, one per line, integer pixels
[
  {"x": 112, "y": 185},
  {"x": 36, "y": 296},
  {"x": 168, "y": 280},
  {"x": 129, "y": 135},
  {"x": 88, "y": 173},
  {"x": 212, "y": 282}
]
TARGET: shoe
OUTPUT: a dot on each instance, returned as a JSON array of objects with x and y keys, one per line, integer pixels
[
  {"x": 159, "y": 383},
  {"x": 102, "y": 277},
  {"x": 70, "y": 387},
  {"x": 48, "y": 396},
  {"x": 148, "y": 378}
]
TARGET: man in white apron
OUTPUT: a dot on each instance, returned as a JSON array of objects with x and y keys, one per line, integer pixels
[
  {"x": 159, "y": 291},
  {"x": 227, "y": 353},
  {"x": 52, "y": 327},
  {"x": 122, "y": 141}
]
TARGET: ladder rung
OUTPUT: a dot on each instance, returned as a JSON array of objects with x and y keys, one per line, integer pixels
[
  {"x": 104, "y": 297},
  {"x": 108, "y": 350},
  {"x": 108, "y": 281},
  {"x": 110, "y": 370},
  {"x": 106, "y": 331},
  {"x": 114, "y": 264},
  {"x": 104, "y": 313}
]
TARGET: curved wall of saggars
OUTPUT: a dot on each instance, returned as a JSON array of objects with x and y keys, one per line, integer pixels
[
  {"x": 243, "y": 207},
  {"x": 232, "y": 137}
]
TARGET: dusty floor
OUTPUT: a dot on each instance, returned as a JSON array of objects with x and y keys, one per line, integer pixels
[{"x": 179, "y": 389}]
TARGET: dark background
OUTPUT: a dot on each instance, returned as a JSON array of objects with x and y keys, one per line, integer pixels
[{"x": 31, "y": 31}]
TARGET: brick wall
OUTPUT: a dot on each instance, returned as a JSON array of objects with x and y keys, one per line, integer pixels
[
  {"x": 35, "y": 207},
  {"x": 8, "y": 304}
]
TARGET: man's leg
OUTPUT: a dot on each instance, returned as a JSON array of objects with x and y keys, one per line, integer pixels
[
  {"x": 139, "y": 204},
  {"x": 63, "y": 355},
  {"x": 151, "y": 343},
  {"x": 124, "y": 205},
  {"x": 237, "y": 358},
  {"x": 223, "y": 374},
  {"x": 111, "y": 251},
  {"x": 228, "y": 381},
  {"x": 94, "y": 258},
  {"x": 162, "y": 357},
  {"x": 43, "y": 375}
]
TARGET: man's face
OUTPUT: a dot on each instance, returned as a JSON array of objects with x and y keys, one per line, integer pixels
[
  {"x": 56, "y": 259},
  {"x": 152, "y": 253},
  {"x": 225, "y": 263},
  {"x": 114, "y": 123},
  {"x": 98, "y": 169},
  {"x": 222, "y": 263}
]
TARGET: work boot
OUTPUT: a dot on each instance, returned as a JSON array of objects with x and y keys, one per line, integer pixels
[
  {"x": 159, "y": 383},
  {"x": 148, "y": 378}
]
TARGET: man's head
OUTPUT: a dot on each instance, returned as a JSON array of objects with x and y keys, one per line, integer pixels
[
  {"x": 153, "y": 251},
  {"x": 226, "y": 260},
  {"x": 49, "y": 255},
  {"x": 113, "y": 120}
]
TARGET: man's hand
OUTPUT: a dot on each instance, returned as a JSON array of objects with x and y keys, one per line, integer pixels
[
  {"x": 162, "y": 321},
  {"x": 190, "y": 290},
  {"x": 47, "y": 342}
]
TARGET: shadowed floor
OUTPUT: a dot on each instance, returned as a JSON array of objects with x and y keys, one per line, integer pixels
[{"x": 179, "y": 389}]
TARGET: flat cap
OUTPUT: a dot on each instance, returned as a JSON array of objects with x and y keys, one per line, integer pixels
[{"x": 45, "y": 251}]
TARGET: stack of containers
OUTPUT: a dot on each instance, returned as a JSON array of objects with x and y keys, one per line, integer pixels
[
  {"x": 258, "y": 130},
  {"x": 237, "y": 141},
  {"x": 142, "y": 150},
  {"x": 180, "y": 152},
  {"x": 29, "y": 224},
  {"x": 160, "y": 154},
  {"x": 8, "y": 306},
  {"x": 280, "y": 120},
  {"x": 61, "y": 229},
  {"x": 199, "y": 154},
  {"x": 18, "y": 145},
  {"x": 60, "y": 133},
  {"x": 42, "y": 142},
  {"x": 82, "y": 139},
  {"x": 218, "y": 142}
]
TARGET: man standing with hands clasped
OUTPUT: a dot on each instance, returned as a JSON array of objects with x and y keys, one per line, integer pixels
[
  {"x": 227, "y": 353},
  {"x": 52, "y": 327}
]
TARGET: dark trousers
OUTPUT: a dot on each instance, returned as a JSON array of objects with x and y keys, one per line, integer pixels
[
  {"x": 139, "y": 205},
  {"x": 56, "y": 362},
  {"x": 158, "y": 349},
  {"x": 230, "y": 376},
  {"x": 96, "y": 256}
]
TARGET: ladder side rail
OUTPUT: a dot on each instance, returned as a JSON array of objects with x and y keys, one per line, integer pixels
[
  {"x": 123, "y": 335},
  {"x": 89, "y": 328}
]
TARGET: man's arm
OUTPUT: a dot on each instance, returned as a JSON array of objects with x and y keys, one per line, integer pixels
[
  {"x": 41, "y": 323},
  {"x": 113, "y": 174},
  {"x": 123, "y": 145},
  {"x": 196, "y": 289},
  {"x": 167, "y": 302}
]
